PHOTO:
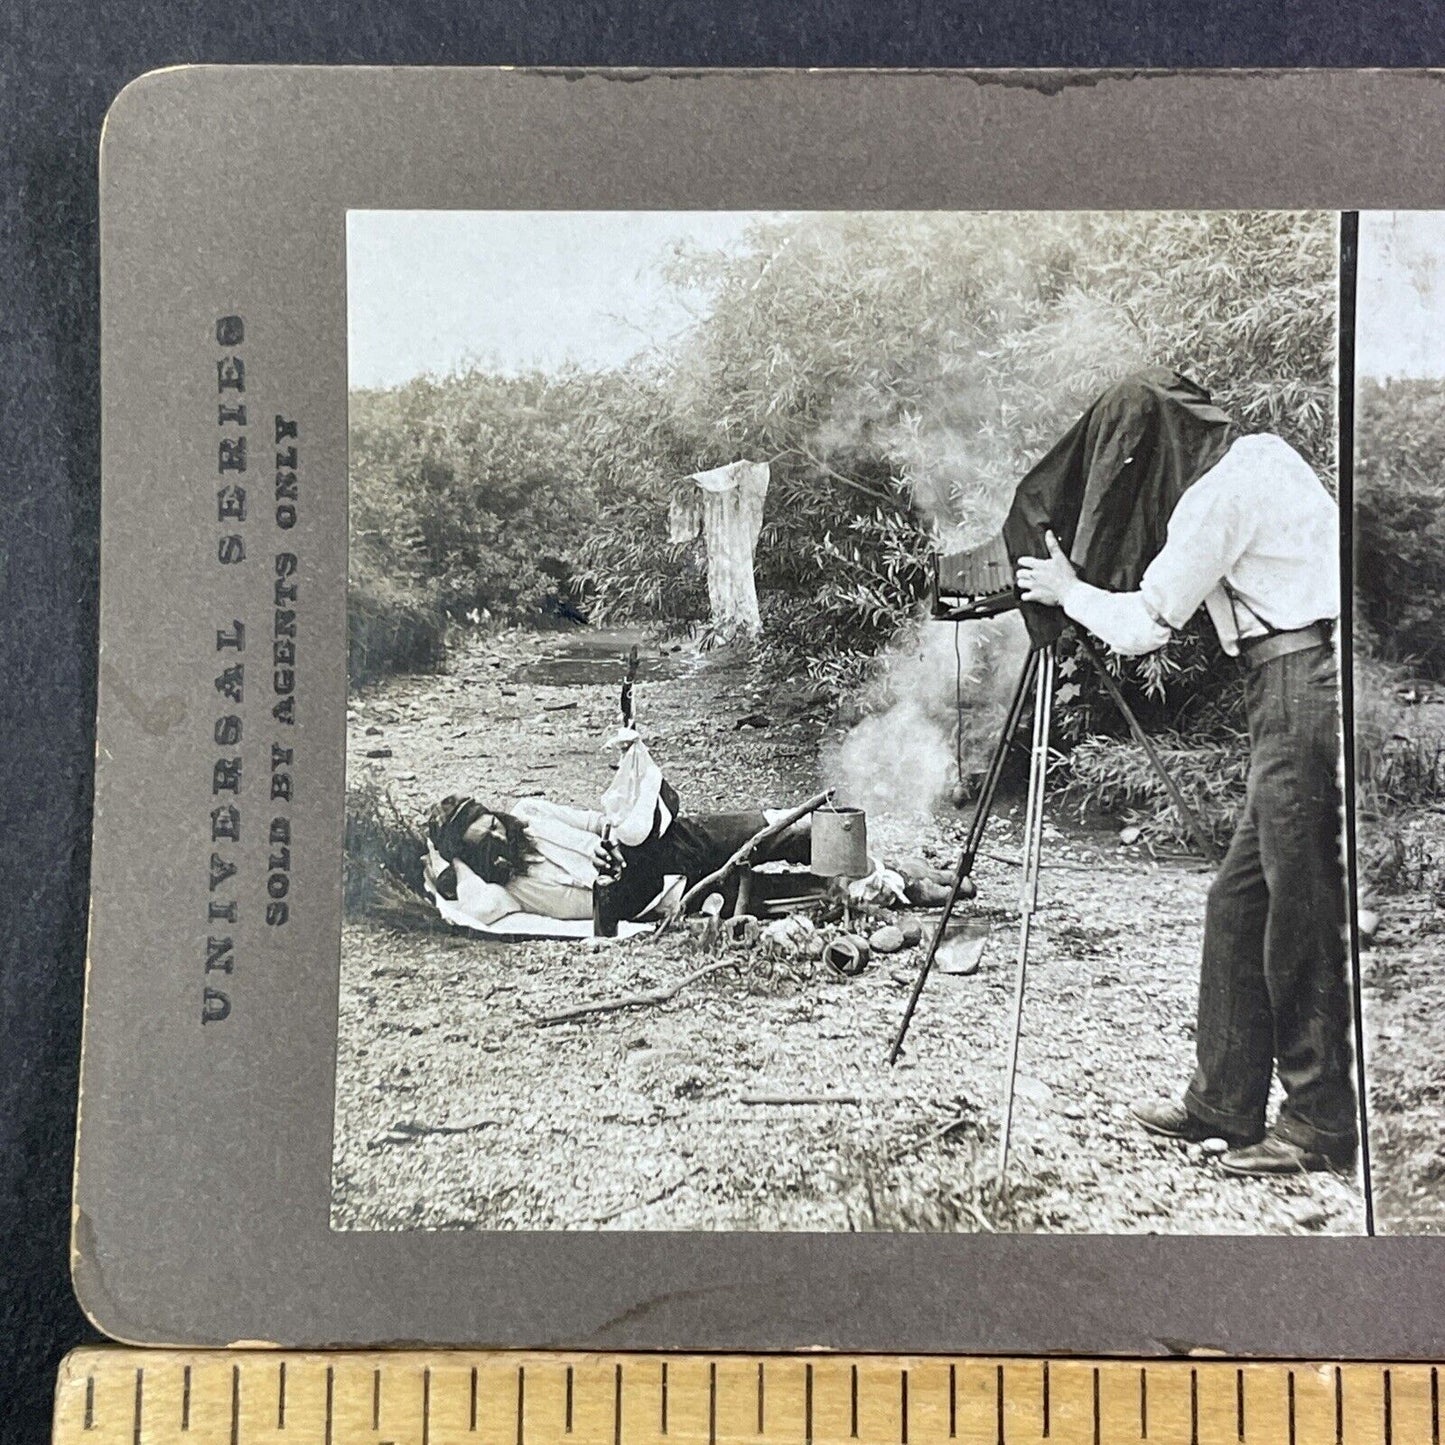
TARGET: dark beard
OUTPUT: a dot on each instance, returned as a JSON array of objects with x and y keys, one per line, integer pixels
[{"x": 498, "y": 858}]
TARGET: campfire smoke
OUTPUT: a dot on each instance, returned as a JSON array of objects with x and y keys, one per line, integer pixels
[{"x": 902, "y": 757}]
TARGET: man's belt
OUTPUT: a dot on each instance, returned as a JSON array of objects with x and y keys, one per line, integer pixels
[{"x": 1256, "y": 651}]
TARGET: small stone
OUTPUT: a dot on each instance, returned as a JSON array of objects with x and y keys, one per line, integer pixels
[
  {"x": 378, "y": 752},
  {"x": 1129, "y": 836},
  {"x": 373, "y": 731},
  {"x": 1368, "y": 921},
  {"x": 1309, "y": 1216},
  {"x": 1034, "y": 1090},
  {"x": 912, "y": 934},
  {"x": 888, "y": 939},
  {"x": 1214, "y": 1146}
]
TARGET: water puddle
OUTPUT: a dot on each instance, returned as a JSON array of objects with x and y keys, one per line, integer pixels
[{"x": 596, "y": 656}]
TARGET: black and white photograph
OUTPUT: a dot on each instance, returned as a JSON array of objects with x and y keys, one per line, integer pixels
[
  {"x": 1400, "y": 706},
  {"x": 844, "y": 725}
]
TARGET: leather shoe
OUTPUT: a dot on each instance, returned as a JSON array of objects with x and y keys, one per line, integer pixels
[
  {"x": 1273, "y": 1155},
  {"x": 1171, "y": 1120}
]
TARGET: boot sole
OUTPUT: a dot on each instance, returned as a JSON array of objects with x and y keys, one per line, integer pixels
[
  {"x": 1159, "y": 1132},
  {"x": 1309, "y": 1164}
]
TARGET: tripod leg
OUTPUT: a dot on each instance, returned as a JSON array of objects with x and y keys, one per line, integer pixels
[
  {"x": 1186, "y": 813},
  {"x": 1032, "y": 861},
  {"x": 983, "y": 809},
  {"x": 972, "y": 843}
]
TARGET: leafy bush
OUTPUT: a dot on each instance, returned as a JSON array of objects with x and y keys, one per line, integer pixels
[
  {"x": 472, "y": 482},
  {"x": 390, "y": 626},
  {"x": 1399, "y": 773},
  {"x": 1400, "y": 519},
  {"x": 1115, "y": 776}
]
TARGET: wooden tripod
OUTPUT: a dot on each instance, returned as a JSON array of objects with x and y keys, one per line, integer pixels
[{"x": 1039, "y": 673}]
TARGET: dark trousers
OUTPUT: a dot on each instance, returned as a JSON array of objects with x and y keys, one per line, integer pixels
[
  {"x": 1273, "y": 989},
  {"x": 695, "y": 845}
]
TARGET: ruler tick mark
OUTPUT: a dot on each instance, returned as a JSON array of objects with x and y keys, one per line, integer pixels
[
  {"x": 1290, "y": 1392},
  {"x": 808, "y": 1404},
  {"x": 1045, "y": 1405},
  {"x": 712, "y": 1404},
  {"x": 1339, "y": 1406},
  {"x": 853, "y": 1403},
  {"x": 236, "y": 1406},
  {"x": 281, "y": 1397},
  {"x": 1143, "y": 1403},
  {"x": 1434, "y": 1405},
  {"x": 1194, "y": 1407},
  {"x": 761, "y": 1397},
  {"x": 522, "y": 1402},
  {"x": 998, "y": 1402},
  {"x": 903, "y": 1408},
  {"x": 90, "y": 1402},
  {"x": 1389, "y": 1412},
  {"x": 617, "y": 1406},
  {"x": 376, "y": 1399},
  {"x": 1239, "y": 1403},
  {"x": 426, "y": 1407},
  {"x": 1096, "y": 1405},
  {"x": 952, "y": 1401},
  {"x": 330, "y": 1397},
  {"x": 663, "y": 1394},
  {"x": 186, "y": 1398},
  {"x": 472, "y": 1418},
  {"x": 140, "y": 1376}
]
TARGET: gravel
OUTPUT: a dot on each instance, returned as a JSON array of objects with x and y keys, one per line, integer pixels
[{"x": 456, "y": 1110}]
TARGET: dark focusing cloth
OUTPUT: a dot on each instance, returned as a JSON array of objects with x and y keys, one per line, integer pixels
[{"x": 1108, "y": 486}]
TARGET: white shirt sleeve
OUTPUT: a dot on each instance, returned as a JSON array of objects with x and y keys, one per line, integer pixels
[
  {"x": 1121, "y": 620},
  {"x": 531, "y": 810},
  {"x": 1209, "y": 530}
]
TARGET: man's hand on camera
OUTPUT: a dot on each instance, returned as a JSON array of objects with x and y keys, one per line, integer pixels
[{"x": 1047, "y": 580}]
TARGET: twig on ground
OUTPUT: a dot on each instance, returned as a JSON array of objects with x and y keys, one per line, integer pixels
[
  {"x": 1068, "y": 865},
  {"x": 405, "y": 1130},
  {"x": 634, "y": 1000},
  {"x": 644, "y": 1203},
  {"x": 799, "y": 1099},
  {"x": 931, "y": 1138}
]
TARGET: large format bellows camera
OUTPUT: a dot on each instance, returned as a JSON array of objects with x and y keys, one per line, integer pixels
[{"x": 975, "y": 583}]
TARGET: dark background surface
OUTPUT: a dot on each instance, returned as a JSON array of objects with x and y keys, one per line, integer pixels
[{"x": 62, "y": 65}]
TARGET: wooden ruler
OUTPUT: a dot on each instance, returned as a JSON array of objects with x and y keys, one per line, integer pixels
[{"x": 118, "y": 1396}]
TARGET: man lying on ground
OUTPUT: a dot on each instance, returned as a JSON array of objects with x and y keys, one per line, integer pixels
[{"x": 545, "y": 858}]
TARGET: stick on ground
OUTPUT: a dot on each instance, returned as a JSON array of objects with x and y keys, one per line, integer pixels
[
  {"x": 634, "y": 1000},
  {"x": 798, "y": 1099}
]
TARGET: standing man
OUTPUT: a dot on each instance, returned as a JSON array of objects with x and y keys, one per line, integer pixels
[{"x": 1255, "y": 538}]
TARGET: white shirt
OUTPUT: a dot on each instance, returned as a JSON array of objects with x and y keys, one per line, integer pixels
[{"x": 1258, "y": 523}]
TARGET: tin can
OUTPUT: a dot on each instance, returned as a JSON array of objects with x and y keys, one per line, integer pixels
[{"x": 840, "y": 843}]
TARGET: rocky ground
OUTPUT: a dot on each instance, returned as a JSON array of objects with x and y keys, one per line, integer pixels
[{"x": 456, "y": 1109}]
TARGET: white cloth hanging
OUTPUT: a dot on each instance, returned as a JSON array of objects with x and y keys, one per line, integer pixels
[{"x": 726, "y": 506}]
